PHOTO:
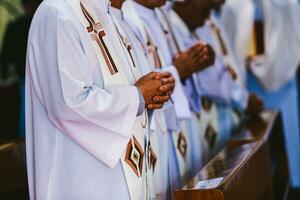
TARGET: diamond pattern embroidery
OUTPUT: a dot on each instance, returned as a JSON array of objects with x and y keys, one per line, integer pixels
[
  {"x": 206, "y": 104},
  {"x": 232, "y": 72},
  {"x": 182, "y": 145},
  {"x": 134, "y": 156},
  {"x": 152, "y": 158},
  {"x": 211, "y": 136}
]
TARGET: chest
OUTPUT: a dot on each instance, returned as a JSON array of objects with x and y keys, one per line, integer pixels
[{"x": 160, "y": 38}]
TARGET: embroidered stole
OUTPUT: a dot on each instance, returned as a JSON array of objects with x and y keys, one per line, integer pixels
[
  {"x": 208, "y": 124},
  {"x": 181, "y": 138},
  {"x": 173, "y": 41},
  {"x": 223, "y": 48},
  {"x": 134, "y": 158},
  {"x": 153, "y": 167}
]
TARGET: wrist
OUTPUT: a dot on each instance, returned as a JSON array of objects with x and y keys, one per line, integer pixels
[
  {"x": 182, "y": 72},
  {"x": 142, "y": 104}
]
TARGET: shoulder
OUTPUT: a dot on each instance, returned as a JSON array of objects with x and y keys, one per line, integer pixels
[
  {"x": 51, "y": 9},
  {"x": 54, "y": 11},
  {"x": 51, "y": 16}
]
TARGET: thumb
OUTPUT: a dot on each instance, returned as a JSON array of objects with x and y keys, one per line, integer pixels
[{"x": 153, "y": 75}]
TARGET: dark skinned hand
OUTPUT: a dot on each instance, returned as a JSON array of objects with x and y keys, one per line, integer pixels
[
  {"x": 207, "y": 58},
  {"x": 255, "y": 105},
  {"x": 151, "y": 86},
  {"x": 197, "y": 58},
  {"x": 168, "y": 85},
  {"x": 168, "y": 82}
]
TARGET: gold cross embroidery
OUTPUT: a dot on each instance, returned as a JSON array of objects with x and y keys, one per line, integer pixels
[
  {"x": 127, "y": 45},
  {"x": 216, "y": 30},
  {"x": 134, "y": 156},
  {"x": 170, "y": 34},
  {"x": 224, "y": 49},
  {"x": 152, "y": 50},
  {"x": 97, "y": 33}
]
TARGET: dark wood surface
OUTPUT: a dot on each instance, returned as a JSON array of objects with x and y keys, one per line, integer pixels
[
  {"x": 13, "y": 176},
  {"x": 9, "y": 111},
  {"x": 252, "y": 165}
]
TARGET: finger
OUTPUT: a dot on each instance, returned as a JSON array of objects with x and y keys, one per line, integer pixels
[
  {"x": 202, "y": 42},
  {"x": 210, "y": 49},
  {"x": 196, "y": 47},
  {"x": 171, "y": 91},
  {"x": 205, "y": 50},
  {"x": 196, "y": 53},
  {"x": 170, "y": 88},
  {"x": 154, "y": 106},
  {"x": 176, "y": 56},
  {"x": 166, "y": 74},
  {"x": 165, "y": 88},
  {"x": 158, "y": 76},
  {"x": 202, "y": 61},
  {"x": 169, "y": 80},
  {"x": 154, "y": 83},
  {"x": 153, "y": 75},
  {"x": 161, "y": 99}
]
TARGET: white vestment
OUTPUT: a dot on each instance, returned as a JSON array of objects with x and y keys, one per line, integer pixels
[
  {"x": 216, "y": 84},
  {"x": 273, "y": 75},
  {"x": 236, "y": 93},
  {"x": 158, "y": 177},
  {"x": 281, "y": 46},
  {"x": 147, "y": 33},
  {"x": 223, "y": 48},
  {"x": 78, "y": 124}
]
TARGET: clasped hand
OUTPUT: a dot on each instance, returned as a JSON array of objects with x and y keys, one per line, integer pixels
[
  {"x": 156, "y": 88},
  {"x": 197, "y": 58}
]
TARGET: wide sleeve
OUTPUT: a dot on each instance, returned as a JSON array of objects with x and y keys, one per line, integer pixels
[
  {"x": 178, "y": 97},
  {"x": 281, "y": 59},
  {"x": 239, "y": 95},
  {"x": 213, "y": 83},
  {"x": 99, "y": 120},
  {"x": 216, "y": 82}
]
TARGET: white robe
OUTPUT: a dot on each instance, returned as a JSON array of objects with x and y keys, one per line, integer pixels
[
  {"x": 281, "y": 46},
  {"x": 76, "y": 131},
  {"x": 139, "y": 24},
  {"x": 158, "y": 186},
  {"x": 274, "y": 76},
  {"x": 233, "y": 92},
  {"x": 216, "y": 84},
  {"x": 230, "y": 58}
]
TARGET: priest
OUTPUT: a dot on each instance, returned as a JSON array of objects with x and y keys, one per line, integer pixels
[
  {"x": 149, "y": 28},
  {"x": 216, "y": 83},
  {"x": 271, "y": 53},
  {"x": 86, "y": 106},
  {"x": 158, "y": 179}
]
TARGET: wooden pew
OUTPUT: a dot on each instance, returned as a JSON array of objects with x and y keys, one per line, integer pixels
[
  {"x": 13, "y": 176},
  {"x": 252, "y": 166},
  {"x": 9, "y": 111}
]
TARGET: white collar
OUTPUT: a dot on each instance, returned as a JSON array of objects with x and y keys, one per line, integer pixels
[
  {"x": 143, "y": 11},
  {"x": 116, "y": 13},
  {"x": 168, "y": 6}
]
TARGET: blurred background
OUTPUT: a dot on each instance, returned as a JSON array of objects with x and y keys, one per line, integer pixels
[{"x": 15, "y": 19}]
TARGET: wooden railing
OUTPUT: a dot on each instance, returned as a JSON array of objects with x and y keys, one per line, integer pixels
[
  {"x": 13, "y": 176},
  {"x": 252, "y": 166}
]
